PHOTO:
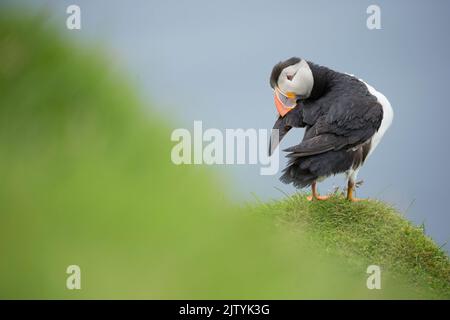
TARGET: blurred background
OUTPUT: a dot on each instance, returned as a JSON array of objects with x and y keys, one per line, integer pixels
[{"x": 77, "y": 151}]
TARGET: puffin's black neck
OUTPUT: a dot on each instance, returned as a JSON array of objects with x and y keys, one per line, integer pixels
[{"x": 322, "y": 77}]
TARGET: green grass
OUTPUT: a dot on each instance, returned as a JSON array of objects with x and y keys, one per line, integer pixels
[
  {"x": 368, "y": 232},
  {"x": 86, "y": 179}
]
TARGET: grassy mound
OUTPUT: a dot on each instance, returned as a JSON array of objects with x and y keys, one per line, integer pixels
[
  {"x": 86, "y": 179},
  {"x": 368, "y": 232}
]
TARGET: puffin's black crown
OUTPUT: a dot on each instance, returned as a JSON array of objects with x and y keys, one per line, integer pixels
[{"x": 276, "y": 71}]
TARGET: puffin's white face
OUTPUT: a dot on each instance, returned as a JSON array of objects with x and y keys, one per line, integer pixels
[{"x": 297, "y": 79}]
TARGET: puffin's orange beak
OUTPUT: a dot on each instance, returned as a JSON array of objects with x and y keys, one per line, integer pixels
[{"x": 284, "y": 102}]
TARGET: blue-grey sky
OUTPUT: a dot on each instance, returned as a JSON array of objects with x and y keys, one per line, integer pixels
[{"x": 210, "y": 61}]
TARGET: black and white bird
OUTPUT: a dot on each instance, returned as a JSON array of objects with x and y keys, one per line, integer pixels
[{"x": 344, "y": 120}]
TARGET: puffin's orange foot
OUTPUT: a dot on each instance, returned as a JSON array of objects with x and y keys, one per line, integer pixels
[
  {"x": 350, "y": 188},
  {"x": 311, "y": 198}
]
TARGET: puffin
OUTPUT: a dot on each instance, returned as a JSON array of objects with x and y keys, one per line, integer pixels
[{"x": 344, "y": 119}]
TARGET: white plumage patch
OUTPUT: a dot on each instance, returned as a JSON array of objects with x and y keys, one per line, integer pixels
[{"x": 388, "y": 116}]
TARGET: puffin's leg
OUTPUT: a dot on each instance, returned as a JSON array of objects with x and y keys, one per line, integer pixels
[
  {"x": 350, "y": 190},
  {"x": 315, "y": 195}
]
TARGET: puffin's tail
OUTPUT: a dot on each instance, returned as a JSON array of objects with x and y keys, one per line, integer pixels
[
  {"x": 302, "y": 171},
  {"x": 299, "y": 177}
]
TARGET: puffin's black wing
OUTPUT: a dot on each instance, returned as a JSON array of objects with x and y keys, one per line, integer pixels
[
  {"x": 292, "y": 119},
  {"x": 343, "y": 122}
]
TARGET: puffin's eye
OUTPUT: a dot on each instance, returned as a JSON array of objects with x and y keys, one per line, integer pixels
[{"x": 289, "y": 77}]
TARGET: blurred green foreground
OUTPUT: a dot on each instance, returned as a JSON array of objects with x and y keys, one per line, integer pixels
[{"x": 86, "y": 179}]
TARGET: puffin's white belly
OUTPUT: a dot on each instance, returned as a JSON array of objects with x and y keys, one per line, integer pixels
[{"x": 388, "y": 116}]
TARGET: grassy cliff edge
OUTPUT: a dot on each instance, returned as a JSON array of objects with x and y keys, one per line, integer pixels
[{"x": 368, "y": 232}]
